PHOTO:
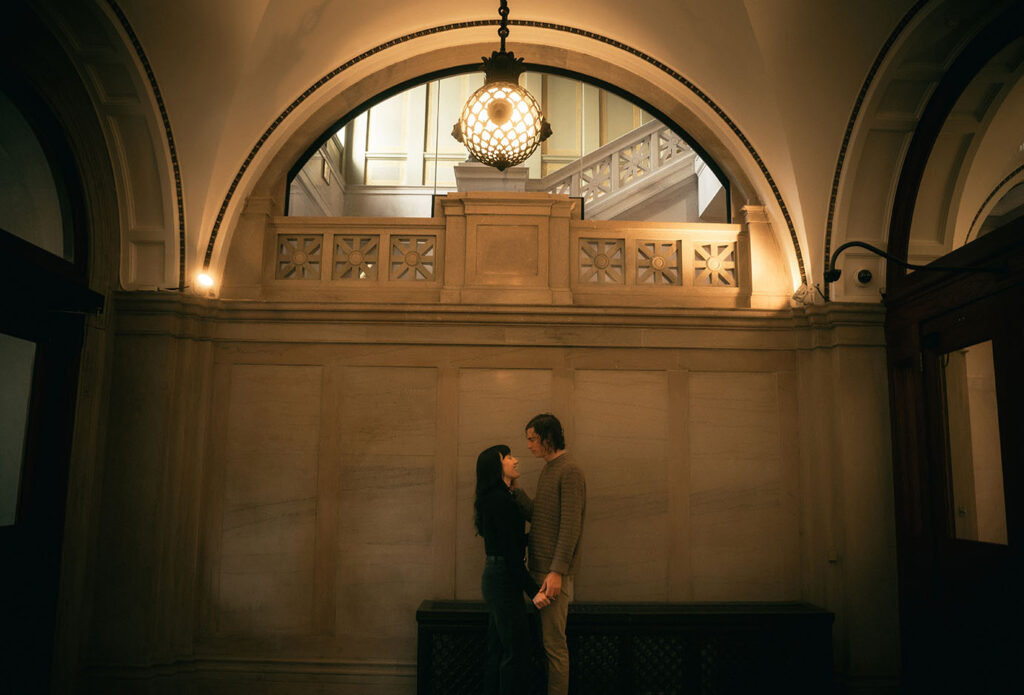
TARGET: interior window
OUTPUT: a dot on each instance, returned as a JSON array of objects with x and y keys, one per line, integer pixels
[
  {"x": 17, "y": 359},
  {"x": 392, "y": 159},
  {"x": 30, "y": 205},
  {"x": 975, "y": 455}
]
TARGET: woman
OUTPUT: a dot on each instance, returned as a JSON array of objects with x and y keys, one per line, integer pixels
[{"x": 505, "y": 577}]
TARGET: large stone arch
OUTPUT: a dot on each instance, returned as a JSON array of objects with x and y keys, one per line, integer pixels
[
  {"x": 262, "y": 177},
  {"x": 113, "y": 68}
]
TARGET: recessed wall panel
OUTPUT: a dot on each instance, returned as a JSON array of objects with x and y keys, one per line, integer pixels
[
  {"x": 620, "y": 421},
  {"x": 268, "y": 529},
  {"x": 494, "y": 407},
  {"x": 386, "y": 424},
  {"x": 740, "y": 535}
]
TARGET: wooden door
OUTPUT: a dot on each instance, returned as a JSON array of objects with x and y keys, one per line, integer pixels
[{"x": 956, "y": 345}]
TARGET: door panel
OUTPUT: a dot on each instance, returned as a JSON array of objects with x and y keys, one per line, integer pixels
[{"x": 972, "y": 383}]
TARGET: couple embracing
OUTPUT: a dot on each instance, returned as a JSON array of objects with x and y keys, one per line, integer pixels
[{"x": 556, "y": 514}]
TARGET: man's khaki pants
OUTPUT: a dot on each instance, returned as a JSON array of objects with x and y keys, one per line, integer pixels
[{"x": 552, "y": 628}]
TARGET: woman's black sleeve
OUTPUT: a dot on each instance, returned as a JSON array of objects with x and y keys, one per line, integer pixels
[{"x": 511, "y": 525}]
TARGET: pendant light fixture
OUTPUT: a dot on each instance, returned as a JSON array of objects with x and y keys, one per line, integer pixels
[{"x": 501, "y": 124}]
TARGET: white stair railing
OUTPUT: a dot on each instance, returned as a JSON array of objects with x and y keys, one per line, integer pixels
[{"x": 620, "y": 164}]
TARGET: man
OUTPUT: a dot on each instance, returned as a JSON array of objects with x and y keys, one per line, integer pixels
[{"x": 556, "y": 533}]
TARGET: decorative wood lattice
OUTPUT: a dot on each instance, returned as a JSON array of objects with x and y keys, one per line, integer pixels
[
  {"x": 299, "y": 257},
  {"x": 658, "y": 263},
  {"x": 715, "y": 264},
  {"x": 664, "y": 649},
  {"x": 356, "y": 257},
  {"x": 413, "y": 258},
  {"x": 602, "y": 261}
]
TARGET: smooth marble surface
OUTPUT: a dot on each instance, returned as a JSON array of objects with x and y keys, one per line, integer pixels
[
  {"x": 335, "y": 478},
  {"x": 268, "y": 530},
  {"x": 386, "y": 425},
  {"x": 621, "y": 420},
  {"x": 736, "y": 488}
]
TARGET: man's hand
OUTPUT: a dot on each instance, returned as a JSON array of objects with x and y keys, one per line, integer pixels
[
  {"x": 541, "y": 600},
  {"x": 552, "y": 585}
]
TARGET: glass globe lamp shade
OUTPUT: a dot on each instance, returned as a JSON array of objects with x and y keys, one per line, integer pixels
[{"x": 501, "y": 124}]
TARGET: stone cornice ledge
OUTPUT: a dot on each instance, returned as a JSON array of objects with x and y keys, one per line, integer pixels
[{"x": 219, "y": 320}]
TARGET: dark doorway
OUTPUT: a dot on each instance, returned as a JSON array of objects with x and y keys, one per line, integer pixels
[
  {"x": 957, "y": 383},
  {"x": 44, "y": 298}
]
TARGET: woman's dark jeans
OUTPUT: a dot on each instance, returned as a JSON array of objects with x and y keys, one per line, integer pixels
[{"x": 508, "y": 656}]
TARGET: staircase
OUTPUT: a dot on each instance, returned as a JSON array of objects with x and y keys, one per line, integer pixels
[{"x": 628, "y": 173}]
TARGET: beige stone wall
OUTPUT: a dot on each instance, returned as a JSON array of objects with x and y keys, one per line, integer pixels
[
  {"x": 287, "y": 481},
  {"x": 286, "y": 471}
]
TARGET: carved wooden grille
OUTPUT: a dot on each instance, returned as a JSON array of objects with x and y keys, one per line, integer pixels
[
  {"x": 356, "y": 257},
  {"x": 412, "y": 258},
  {"x": 658, "y": 263},
  {"x": 597, "y": 668},
  {"x": 663, "y": 663},
  {"x": 298, "y": 257},
  {"x": 715, "y": 264},
  {"x": 457, "y": 663},
  {"x": 644, "y": 649},
  {"x": 602, "y": 260}
]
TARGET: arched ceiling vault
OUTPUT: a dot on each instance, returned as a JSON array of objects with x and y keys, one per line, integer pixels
[{"x": 767, "y": 88}]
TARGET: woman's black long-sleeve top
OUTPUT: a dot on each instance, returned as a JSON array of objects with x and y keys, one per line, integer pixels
[{"x": 504, "y": 531}]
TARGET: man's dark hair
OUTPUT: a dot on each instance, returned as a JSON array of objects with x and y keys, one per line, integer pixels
[{"x": 549, "y": 429}]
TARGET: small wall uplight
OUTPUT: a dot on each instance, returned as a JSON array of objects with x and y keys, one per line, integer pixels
[{"x": 204, "y": 280}]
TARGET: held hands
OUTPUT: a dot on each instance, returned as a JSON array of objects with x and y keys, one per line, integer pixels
[
  {"x": 552, "y": 585},
  {"x": 541, "y": 600}
]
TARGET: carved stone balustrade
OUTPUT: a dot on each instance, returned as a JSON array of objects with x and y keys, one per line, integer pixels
[{"x": 509, "y": 249}]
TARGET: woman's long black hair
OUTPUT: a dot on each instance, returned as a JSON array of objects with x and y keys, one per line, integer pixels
[{"x": 488, "y": 476}]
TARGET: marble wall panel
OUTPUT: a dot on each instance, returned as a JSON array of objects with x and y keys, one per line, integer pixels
[
  {"x": 494, "y": 406},
  {"x": 387, "y": 433},
  {"x": 740, "y": 527},
  {"x": 620, "y": 421},
  {"x": 267, "y": 537}
]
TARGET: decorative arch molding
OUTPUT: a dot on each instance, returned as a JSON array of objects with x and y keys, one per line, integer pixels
[
  {"x": 994, "y": 129},
  {"x": 679, "y": 99},
  {"x": 128, "y": 103},
  {"x": 889, "y": 108},
  {"x": 994, "y": 36},
  {"x": 1009, "y": 181},
  {"x": 883, "y": 54}
]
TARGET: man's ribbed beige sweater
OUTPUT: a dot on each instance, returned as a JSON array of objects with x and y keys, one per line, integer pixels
[{"x": 556, "y": 516}]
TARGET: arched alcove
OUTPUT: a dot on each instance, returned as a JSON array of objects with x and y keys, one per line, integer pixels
[
  {"x": 263, "y": 176},
  {"x": 907, "y": 72},
  {"x": 115, "y": 72}
]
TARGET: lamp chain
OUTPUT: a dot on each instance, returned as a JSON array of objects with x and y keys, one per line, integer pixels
[{"x": 503, "y": 29}]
